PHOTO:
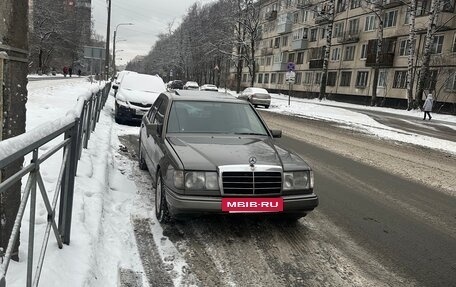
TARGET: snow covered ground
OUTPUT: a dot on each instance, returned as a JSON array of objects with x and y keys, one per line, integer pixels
[{"x": 106, "y": 199}]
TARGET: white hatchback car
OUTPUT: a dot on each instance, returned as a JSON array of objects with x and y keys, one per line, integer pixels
[
  {"x": 256, "y": 96},
  {"x": 135, "y": 95},
  {"x": 191, "y": 86}
]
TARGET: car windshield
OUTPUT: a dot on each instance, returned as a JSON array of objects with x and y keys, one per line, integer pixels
[{"x": 214, "y": 117}]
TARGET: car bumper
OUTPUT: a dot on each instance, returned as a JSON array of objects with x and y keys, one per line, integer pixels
[
  {"x": 261, "y": 102},
  {"x": 179, "y": 204},
  {"x": 127, "y": 113}
]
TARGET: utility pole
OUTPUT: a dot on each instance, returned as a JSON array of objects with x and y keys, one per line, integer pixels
[
  {"x": 13, "y": 93},
  {"x": 114, "y": 46},
  {"x": 108, "y": 32}
]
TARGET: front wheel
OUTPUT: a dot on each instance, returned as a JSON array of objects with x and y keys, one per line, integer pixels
[
  {"x": 142, "y": 161},
  {"x": 161, "y": 206},
  {"x": 267, "y": 107}
]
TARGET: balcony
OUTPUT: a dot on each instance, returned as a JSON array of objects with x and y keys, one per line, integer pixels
[
  {"x": 392, "y": 3},
  {"x": 299, "y": 44},
  {"x": 284, "y": 27},
  {"x": 266, "y": 51},
  {"x": 386, "y": 60},
  {"x": 316, "y": 64},
  {"x": 349, "y": 37},
  {"x": 271, "y": 16},
  {"x": 279, "y": 66},
  {"x": 322, "y": 19},
  {"x": 444, "y": 22}
]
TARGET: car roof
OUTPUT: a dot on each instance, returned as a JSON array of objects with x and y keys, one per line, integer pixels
[{"x": 210, "y": 96}]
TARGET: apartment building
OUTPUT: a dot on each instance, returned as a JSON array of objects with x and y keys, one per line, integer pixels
[{"x": 295, "y": 31}]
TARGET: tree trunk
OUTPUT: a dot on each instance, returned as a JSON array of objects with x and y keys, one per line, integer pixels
[
  {"x": 411, "y": 56},
  {"x": 15, "y": 30},
  {"x": 424, "y": 71},
  {"x": 252, "y": 55},
  {"x": 378, "y": 53},
  {"x": 327, "y": 50}
]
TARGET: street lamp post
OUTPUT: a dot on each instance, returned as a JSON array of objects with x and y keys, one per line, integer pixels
[{"x": 114, "y": 45}]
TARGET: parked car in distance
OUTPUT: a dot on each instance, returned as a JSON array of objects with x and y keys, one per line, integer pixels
[
  {"x": 176, "y": 85},
  {"x": 207, "y": 150},
  {"x": 209, "y": 87},
  {"x": 256, "y": 96},
  {"x": 135, "y": 96},
  {"x": 191, "y": 86}
]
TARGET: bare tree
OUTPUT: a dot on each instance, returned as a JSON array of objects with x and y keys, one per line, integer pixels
[
  {"x": 411, "y": 55},
  {"x": 330, "y": 15}
]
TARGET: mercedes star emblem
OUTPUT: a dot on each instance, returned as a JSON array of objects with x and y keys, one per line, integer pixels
[{"x": 252, "y": 161}]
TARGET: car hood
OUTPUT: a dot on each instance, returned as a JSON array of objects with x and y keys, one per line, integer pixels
[
  {"x": 136, "y": 96},
  {"x": 209, "y": 152}
]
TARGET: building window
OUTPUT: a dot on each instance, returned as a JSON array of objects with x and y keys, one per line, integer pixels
[
  {"x": 331, "y": 80},
  {"x": 453, "y": 49},
  {"x": 431, "y": 80},
  {"x": 260, "y": 78},
  {"x": 280, "y": 81},
  {"x": 307, "y": 78},
  {"x": 335, "y": 56},
  {"x": 266, "y": 79},
  {"x": 244, "y": 78},
  {"x": 317, "y": 78},
  {"x": 345, "y": 79},
  {"x": 355, "y": 4},
  {"x": 284, "y": 41},
  {"x": 404, "y": 48},
  {"x": 305, "y": 16},
  {"x": 400, "y": 80},
  {"x": 291, "y": 57},
  {"x": 390, "y": 19},
  {"x": 295, "y": 18},
  {"x": 268, "y": 61},
  {"x": 298, "y": 78},
  {"x": 338, "y": 30},
  {"x": 277, "y": 42},
  {"x": 341, "y": 5},
  {"x": 363, "y": 51},
  {"x": 349, "y": 53},
  {"x": 361, "y": 79},
  {"x": 371, "y": 22},
  {"x": 300, "y": 59},
  {"x": 382, "y": 77},
  {"x": 273, "y": 78},
  {"x": 262, "y": 60},
  {"x": 437, "y": 44},
  {"x": 323, "y": 33},
  {"x": 300, "y": 34},
  {"x": 313, "y": 35},
  {"x": 407, "y": 16},
  {"x": 451, "y": 83},
  {"x": 353, "y": 26}
]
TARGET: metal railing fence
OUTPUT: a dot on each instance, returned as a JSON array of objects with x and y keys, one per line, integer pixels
[{"x": 76, "y": 137}]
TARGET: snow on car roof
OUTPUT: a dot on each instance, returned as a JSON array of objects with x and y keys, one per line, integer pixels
[
  {"x": 259, "y": 90},
  {"x": 143, "y": 82}
]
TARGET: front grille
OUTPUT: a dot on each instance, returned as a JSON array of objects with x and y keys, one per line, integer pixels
[
  {"x": 141, "y": 105},
  {"x": 246, "y": 182}
]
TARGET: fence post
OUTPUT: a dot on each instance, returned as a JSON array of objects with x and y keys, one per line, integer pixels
[
  {"x": 31, "y": 240},
  {"x": 64, "y": 191},
  {"x": 72, "y": 166},
  {"x": 88, "y": 126}
]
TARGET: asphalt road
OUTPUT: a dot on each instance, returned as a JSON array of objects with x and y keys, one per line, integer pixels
[
  {"x": 433, "y": 128},
  {"x": 372, "y": 228}
]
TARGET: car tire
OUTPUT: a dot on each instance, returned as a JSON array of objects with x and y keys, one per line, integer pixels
[
  {"x": 161, "y": 206},
  {"x": 116, "y": 116},
  {"x": 267, "y": 107},
  {"x": 142, "y": 162}
]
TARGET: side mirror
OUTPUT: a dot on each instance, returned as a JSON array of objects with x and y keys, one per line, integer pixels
[
  {"x": 154, "y": 129},
  {"x": 276, "y": 133},
  {"x": 115, "y": 87}
]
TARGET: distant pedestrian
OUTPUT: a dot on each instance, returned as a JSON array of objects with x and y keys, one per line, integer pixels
[
  {"x": 427, "y": 107},
  {"x": 70, "y": 71},
  {"x": 79, "y": 72},
  {"x": 65, "y": 71}
]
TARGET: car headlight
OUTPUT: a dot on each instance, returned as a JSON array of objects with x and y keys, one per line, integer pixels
[
  {"x": 297, "y": 180},
  {"x": 122, "y": 103},
  {"x": 201, "y": 180}
]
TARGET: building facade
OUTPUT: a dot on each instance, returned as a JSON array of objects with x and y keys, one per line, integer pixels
[{"x": 295, "y": 31}]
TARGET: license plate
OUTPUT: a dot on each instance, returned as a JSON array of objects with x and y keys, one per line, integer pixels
[
  {"x": 140, "y": 113},
  {"x": 252, "y": 205}
]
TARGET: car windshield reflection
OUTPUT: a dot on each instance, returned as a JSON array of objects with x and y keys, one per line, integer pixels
[{"x": 214, "y": 117}]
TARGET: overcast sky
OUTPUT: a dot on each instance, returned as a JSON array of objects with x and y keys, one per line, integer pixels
[{"x": 150, "y": 18}]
